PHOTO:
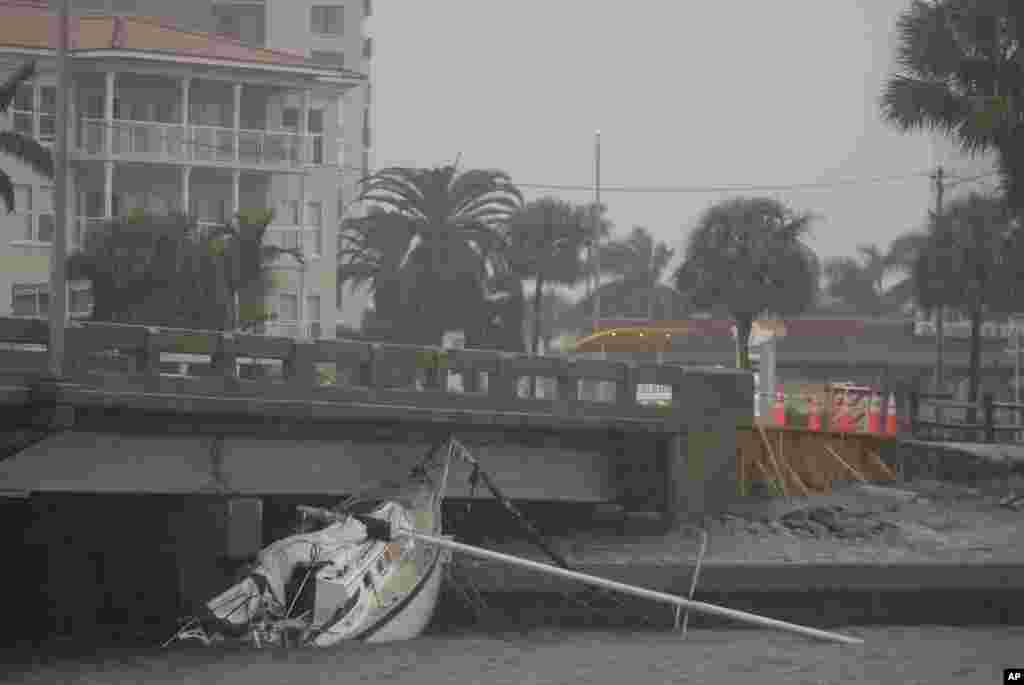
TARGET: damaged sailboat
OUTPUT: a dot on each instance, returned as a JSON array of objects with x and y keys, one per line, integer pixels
[{"x": 340, "y": 580}]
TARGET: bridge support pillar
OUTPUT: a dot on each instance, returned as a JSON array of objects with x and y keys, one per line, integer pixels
[{"x": 700, "y": 459}]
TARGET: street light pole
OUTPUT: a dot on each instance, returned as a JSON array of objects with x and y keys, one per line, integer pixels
[
  {"x": 58, "y": 255},
  {"x": 597, "y": 230}
]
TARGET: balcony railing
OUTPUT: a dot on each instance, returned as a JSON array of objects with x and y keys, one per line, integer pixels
[
  {"x": 299, "y": 330},
  {"x": 308, "y": 239},
  {"x": 165, "y": 142}
]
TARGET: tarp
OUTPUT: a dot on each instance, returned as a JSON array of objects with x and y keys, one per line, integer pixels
[{"x": 173, "y": 464}]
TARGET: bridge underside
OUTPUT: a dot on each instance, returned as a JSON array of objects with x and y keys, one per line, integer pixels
[{"x": 173, "y": 464}]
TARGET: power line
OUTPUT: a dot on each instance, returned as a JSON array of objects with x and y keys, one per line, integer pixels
[{"x": 355, "y": 170}]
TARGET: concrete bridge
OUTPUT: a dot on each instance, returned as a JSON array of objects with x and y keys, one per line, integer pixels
[{"x": 341, "y": 414}]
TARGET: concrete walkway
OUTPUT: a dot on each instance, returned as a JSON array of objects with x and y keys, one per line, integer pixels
[{"x": 996, "y": 453}]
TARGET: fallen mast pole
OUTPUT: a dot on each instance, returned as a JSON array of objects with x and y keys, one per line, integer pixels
[{"x": 632, "y": 589}]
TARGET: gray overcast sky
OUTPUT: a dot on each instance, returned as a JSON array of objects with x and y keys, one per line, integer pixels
[{"x": 684, "y": 92}]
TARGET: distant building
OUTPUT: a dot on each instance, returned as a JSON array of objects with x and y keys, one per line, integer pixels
[{"x": 169, "y": 118}]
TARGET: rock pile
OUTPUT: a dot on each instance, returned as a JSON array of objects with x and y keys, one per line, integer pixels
[
  {"x": 833, "y": 521},
  {"x": 827, "y": 521}
]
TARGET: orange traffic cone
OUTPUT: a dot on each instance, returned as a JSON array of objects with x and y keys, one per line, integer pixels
[
  {"x": 875, "y": 414},
  {"x": 845, "y": 420},
  {"x": 890, "y": 419},
  {"x": 814, "y": 417},
  {"x": 779, "y": 410}
]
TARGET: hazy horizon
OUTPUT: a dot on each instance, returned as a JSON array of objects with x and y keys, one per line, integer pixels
[{"x": 735, "y": 94}]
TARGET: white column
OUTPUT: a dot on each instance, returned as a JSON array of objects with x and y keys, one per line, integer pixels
[
  {"x": 236, "y": 177},
  {"x": 186, "y": 87},
  {"x": 109, "y": 85},
  {"x": 303, "y": 130},
  {"x": 304, "y": 146},
  {"x": 186, "y": 181},
  {"x": 237, "y": 116},
  {"x": 108, "y": 189}
]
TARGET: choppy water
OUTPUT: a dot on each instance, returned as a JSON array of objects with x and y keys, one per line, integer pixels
[{"x": 897, "y": 655}]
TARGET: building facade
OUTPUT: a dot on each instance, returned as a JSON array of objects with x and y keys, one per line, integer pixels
[{"x": 166, "y": 118}]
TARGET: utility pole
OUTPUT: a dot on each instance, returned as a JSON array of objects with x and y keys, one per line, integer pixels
[
  {"x": 596, "y": 243},
  {"x": 940, "y": 332},
  {"x": 58, "y": 255}
]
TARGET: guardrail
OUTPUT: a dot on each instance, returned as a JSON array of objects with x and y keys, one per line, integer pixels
[
  {"x": 127, "y": 359},
  {"x": 987, "y": 430}
]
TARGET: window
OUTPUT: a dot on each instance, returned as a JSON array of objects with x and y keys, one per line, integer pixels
[
  {"x": 288, "y": 307},
  {"x": 368, "y": 48},
  {"x": 34, "y": 209},
  {"x": 315, "y": 219},
  {"x": 22, "y": 109},
  {"x": 229, "y": 25},
  {"x": 80, "y": 300},
  {"x": 93, "y": 204},
  {"x": 313, "y": 308},
  {"x": 315, "y": 127},
  {"x": 290, "y": 119},
  {"x": 366, "y": 128},
  {"x": 327, "y": 58},
  {"x": 341, "y": 205},
  {"x": 315, "y": 122},
  {"x": 30, "y": 299},
  {"x": 23, "y": 210},
  {"x": 47, "y": 114},
  {"x": 289, "y": 212},
  {"x": 44, "y": 217},
  {"x": 327, "y": 20}
]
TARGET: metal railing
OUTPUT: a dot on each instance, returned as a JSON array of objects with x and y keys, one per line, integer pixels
[
  {"x": 170, "y": 142},
  {"x": 939, "y": 417}
]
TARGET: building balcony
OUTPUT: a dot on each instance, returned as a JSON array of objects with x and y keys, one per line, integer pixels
[
  {"x": 302, "y": 330},
  {"x": 152, "y": 141}
]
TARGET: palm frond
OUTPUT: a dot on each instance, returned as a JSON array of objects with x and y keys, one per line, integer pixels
[
  {"x": 28, "y": 151},
  {"x": 9, "y": 89},
  {"x": 7, "y": 191}
]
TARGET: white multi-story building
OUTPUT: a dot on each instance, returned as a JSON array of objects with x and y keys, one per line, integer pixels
[
  {"x": 173, "y": 119},
  {"x": 329, "y": 32}
]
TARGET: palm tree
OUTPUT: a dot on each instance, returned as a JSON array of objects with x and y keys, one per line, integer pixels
[
  {"x": 901, "y": 256},
  {"x": 456, "y": 219},
  {"x": 128, "y": 260},
  {"x": 960, "y": 73},
  {"x": 859, "y": 283},
  {"x": 244, "y": 260},
  {"x": 26, "y": 150},
  {"x": 370, "y": 250},
  {"x": 971, "y": 263},
  {"x": 638, "y": 262},
  {"x": 545, "y": 243},
  {"x": 746, "y": 256}
]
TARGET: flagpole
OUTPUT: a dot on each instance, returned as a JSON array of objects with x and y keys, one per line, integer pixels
[{"x": 58, "y": 256}]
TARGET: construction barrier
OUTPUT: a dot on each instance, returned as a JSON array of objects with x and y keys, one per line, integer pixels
[{"x": 804, "y": 463}]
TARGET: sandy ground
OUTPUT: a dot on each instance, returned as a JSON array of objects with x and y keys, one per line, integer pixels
[
  {"x": 928, "y": 521},
  {"x": 901, "y": 656}
]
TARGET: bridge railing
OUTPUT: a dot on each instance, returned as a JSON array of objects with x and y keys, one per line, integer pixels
[{"x": 128, "y": 358}]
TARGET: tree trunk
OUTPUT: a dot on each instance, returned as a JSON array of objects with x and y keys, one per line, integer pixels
[
  {"x": 940, "y": 335},
  {"x": 974, "y": 372},
  {"x": 535, "y": 343},
  {"x": 744, "y": 325}
]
